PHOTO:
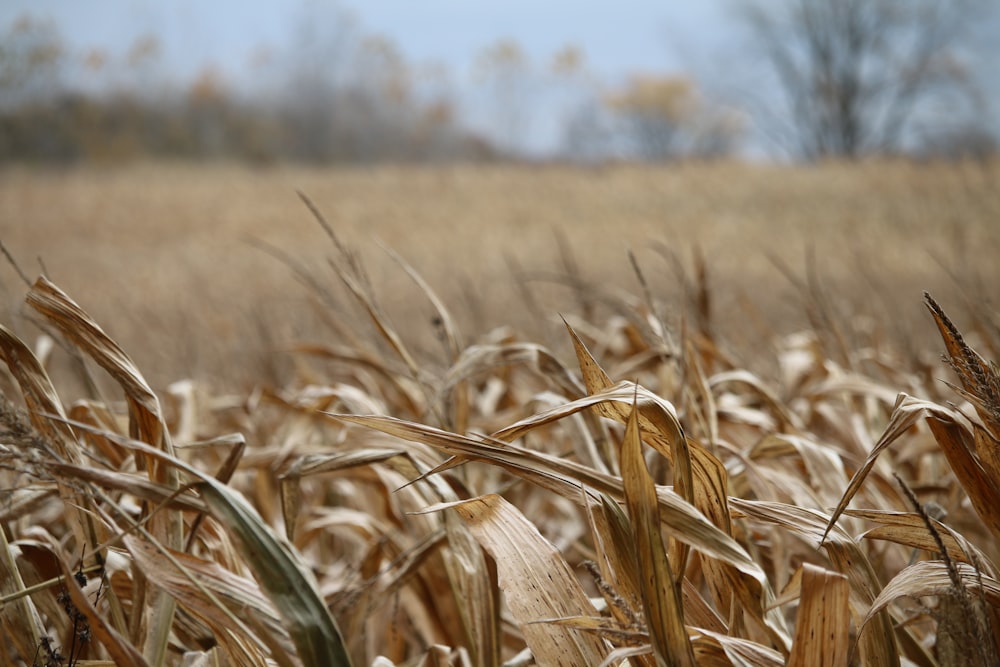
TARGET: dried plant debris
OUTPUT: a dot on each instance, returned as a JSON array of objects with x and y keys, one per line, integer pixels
[{"x": 504, "y": 506}]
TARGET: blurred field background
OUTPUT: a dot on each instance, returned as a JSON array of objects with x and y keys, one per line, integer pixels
[{"x": 179, "y": 260}]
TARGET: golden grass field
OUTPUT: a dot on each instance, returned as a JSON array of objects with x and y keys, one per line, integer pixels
[
  {"x": 500, "y": 415},
  {"x": 162, "y": 255}
]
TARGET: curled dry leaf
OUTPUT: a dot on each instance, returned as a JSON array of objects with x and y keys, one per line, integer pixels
[
  {"x": 957, "y": 443},
  {"x": 145, "y": 423}
]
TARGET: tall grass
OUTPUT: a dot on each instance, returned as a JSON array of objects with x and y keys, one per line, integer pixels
[
  {"x": 153, "y": 250},
  {"x": 642, "y": 499}
]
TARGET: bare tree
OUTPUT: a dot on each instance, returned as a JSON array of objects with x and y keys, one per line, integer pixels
[{"x": 856, "y": 73}]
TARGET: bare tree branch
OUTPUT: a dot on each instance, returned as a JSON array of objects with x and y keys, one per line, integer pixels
[{"x": 854, "y": 73}]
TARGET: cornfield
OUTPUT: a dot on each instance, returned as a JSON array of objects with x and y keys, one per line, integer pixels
[{"x": 624, "y": 493}]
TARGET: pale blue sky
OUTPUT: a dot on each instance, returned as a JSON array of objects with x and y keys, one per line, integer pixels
[{"x": 618, "y": 37}]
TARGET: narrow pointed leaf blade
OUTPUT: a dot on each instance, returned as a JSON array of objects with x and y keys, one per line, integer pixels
[{"x": 660, "y": 594}]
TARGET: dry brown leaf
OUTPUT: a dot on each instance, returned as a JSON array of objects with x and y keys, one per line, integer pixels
[
  {"x": 931, "y": 577},
  {"x": 404, "y": 390},
  {"x": 444, "y": 656},
  {"x": 41, "y": 400},
  {"x": 737, "y": 651},
  {"x": 594, "y": 377},
  {"x": 289, "y": 585},
  {"x": 824, "y": 620},
  {"x": 852, "y": 384},
  {"x": 616, "y": 564},
  {"x": 100, "y": 418},
  {"x": 659, "y": 590},
  {"x": 761, "y": 389},
  {"x": 351, "y": 272},
  {"x": 980, "y": 485},
  {"x": 568, "y": 479},
  {"x": 698, "y": 474},
  {"x": 878, "y": 645},
  {"x": 698, "y": 612},
  {"x": 602, "y": 626},
  {"x": 131, "y": 483},
  {"x": 955, "y": 441},
  {"x": 910, "y": 529},
  {"x": 792, "y": 590},
  {"x": 314, "y": 464},
  {"x": 40, "y": 396},
  {"x": 78, "y": 327},
  {"x": 145, "y": 423},
  {"x": 979, "y": 379},
  {"x": 473, "y": 580},
  {"x": 976, "y": 463},
  {"x": 656, "y": 416},
  {"x": 481, "y": 358},
  {"x": 822, "y": 461},
  {"x": 536, "y": 582},
  {"x": 701, "y": 403},
  {"x": 710, "y": 484},
  {"x": 447, "y": 321}
]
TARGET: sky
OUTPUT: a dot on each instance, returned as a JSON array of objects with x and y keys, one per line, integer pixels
[{"x": 618, "y": 38}]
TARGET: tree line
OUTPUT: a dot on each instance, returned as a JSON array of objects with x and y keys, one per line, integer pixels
[
  {"x": 843, "y": 78},
  {"x": 313, "y": 117}
]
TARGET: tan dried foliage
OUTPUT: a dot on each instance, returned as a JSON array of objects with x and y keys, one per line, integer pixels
[{"x": 495, "y": 503}]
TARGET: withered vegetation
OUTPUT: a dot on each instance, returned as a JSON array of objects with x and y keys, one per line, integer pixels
[{"x": 635, "y": 498}]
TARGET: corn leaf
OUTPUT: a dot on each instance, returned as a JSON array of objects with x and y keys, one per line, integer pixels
[
  {"x": 661, "y": 599},
  {"x": 536, "y": 582}
]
